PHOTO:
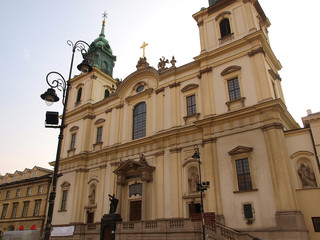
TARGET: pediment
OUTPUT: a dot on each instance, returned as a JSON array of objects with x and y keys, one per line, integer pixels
[
  {"x": 230, "y": 69},
  {"x": 239, "y": 150},
  {"x": 189, "y": 87},
  {"x": 131, "y": 166}
]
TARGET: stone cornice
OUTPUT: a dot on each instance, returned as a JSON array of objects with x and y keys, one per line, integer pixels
[
  {"x": 89, "y": 116},
  {"x": 270, "y": 126},
  {"x": 256, "y": 51},
  {"x": 175, "y": 84}
]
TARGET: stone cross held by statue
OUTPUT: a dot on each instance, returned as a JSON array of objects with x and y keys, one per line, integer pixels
[{"x": 144, "y": 48}]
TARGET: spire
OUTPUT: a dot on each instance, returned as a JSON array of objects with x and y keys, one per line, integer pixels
[
  {"x": 104, "y": 15},
  {"x": 102, "y": 57}
]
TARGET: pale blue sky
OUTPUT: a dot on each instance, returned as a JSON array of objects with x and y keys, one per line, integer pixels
[{"x": 33, "y": 43}]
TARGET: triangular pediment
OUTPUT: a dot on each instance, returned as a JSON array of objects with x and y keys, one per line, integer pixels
[{"x": 239, "y": 150}]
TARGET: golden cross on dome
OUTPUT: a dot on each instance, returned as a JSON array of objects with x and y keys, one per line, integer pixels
[
  {"x": 144, "y": 48},
  {"x": 104, "y": 16}
]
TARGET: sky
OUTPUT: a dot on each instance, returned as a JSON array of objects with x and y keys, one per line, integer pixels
[{"x": 33, "y": 43}]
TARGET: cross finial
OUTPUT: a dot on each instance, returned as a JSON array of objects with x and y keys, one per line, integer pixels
[
  {"x": 144, "y": 48},
  {"x": 104, "y": 16}
]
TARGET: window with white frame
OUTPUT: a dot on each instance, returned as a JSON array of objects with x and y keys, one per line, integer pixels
[
  {"x": 25, "y": 209},
  {"x": 36, "y": 209}
]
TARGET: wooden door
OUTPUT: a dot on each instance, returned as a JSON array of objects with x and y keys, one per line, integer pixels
[{"x": 135, "y": 210}]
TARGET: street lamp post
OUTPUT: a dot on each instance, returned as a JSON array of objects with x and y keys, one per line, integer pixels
[
  {"x": 201, "y": 187},
  {"x": 50, "y": 97}
]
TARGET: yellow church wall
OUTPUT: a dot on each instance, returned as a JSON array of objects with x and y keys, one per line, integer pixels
[
  {"x": 64, "y": 217},
  {"x": 262, "y": 197},
  {"x": 309, "y": 206}
]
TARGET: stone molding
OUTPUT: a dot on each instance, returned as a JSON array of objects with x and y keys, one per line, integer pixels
[
  {"x": 206, "y": 70},
  {"x": 256, "y": 51}
]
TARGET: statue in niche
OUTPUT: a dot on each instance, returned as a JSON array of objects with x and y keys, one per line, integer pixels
[
  {"x": 162, "y": 64},
  {"x": 307, "y": 176},
  {"x": 113, "y": 204},
  {"x": 92, "y": 195},
  {"x": 194, "y": 180}
]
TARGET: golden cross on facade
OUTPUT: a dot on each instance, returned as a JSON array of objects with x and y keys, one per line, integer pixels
[{"x": 144, "y": 48}]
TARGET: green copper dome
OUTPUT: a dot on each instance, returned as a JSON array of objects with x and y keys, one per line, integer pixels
[{"x": 100, "y": 53}]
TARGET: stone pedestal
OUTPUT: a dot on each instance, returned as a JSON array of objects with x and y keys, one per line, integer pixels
[{"x": 108, "y": 226}]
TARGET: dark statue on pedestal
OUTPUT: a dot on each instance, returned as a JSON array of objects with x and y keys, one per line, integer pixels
[{"x": 108, "y": 222}]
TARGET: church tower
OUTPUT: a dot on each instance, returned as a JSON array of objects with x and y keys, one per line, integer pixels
[{"x": 100, "y": 54}]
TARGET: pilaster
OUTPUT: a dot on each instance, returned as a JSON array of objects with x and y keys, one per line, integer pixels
[
  {"x": 176, "y": 197},
  {"x": 159, "y": 185},
  {"x": 279, "y": 167}
]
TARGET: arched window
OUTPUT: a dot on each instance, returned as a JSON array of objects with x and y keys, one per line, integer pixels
[
  {"x": 79, "y": 94},
  {"x": 225, "y": 27},
  {"x": 139, "y": 121},
  {"x": 106, "y": 93}
]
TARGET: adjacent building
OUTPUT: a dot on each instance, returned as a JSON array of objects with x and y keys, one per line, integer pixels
[
  {"x": 23, "y": 199},
  {"x": 136, "y": 139}
]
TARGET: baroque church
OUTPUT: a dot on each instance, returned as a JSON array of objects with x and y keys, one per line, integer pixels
[{"x": 150, "y": 141}]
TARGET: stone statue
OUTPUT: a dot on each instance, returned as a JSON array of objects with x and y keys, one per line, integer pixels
[
  {"x": 92, "y": 196},
  {"x": 162, "y": 64},
  {"x": 194, "y": 181},
  {"x": 307, "y": 176},
  {"x": 173, "y": 62},
  {"x": 113, "y": 204}
]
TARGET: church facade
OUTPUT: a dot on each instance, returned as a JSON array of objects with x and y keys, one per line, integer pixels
[{"x": 136, "y": 139}]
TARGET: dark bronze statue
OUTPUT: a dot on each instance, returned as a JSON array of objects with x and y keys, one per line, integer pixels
[{"x": 113, "y": 204}]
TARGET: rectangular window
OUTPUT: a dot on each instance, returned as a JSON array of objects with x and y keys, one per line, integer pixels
[
  {"x": 8, "y": 195},
  {"x": 14, "y": 210},
  {"x": 191, "y": 105},
  {"x": 99, "y": 134},
  {"x": 316, "y": 223},
  {"x": 18, "y": 193},
  {"x": 234, "y": 89},
  {"x": 34, "y": 174},
  {"x": 73, "y": 141},
  {"x": 40, "y": 189},
  {"x": 243, "y": 174},
  {"x": 64, "y": 200},
  {"x": 36, "y": 208},
  {"x": 247, "y": 209},
  {"x": 25, "y": 209},
  {"x": 4, "y": 210},
  {"x": 29, "y": 189}
]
